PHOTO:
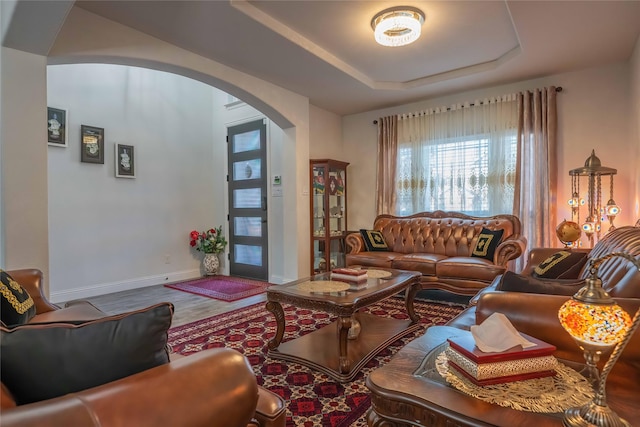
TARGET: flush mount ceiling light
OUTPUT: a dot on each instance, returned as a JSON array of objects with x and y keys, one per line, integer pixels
[{"x": 397, "y": 26}]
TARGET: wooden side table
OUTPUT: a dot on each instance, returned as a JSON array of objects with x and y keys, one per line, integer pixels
[{"x": 399, "y": 398}]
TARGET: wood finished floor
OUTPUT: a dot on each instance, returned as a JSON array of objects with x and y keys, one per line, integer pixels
[{"x": 188, "y": 307}]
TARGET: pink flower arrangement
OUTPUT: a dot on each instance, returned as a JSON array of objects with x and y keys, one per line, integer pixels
[{"x": 211, "y": 241}]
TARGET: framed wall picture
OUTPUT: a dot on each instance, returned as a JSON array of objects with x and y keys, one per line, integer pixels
[
  {"x": 91, "y": 144},
  {"x": 125, "y": 161},
  {"x": 56, "y": 127}
]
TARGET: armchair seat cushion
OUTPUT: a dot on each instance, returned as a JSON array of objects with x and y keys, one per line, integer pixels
[{"x": 76, "y": 312}]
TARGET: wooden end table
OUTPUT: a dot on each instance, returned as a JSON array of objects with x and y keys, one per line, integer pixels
[
  {"x": 401, "y": 398},
  {"x": 329, "y": 349}
]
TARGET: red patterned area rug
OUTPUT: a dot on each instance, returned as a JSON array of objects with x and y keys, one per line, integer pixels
[
  {"x": 225, "y": 288},
  {"x": 313, "y": 399}
]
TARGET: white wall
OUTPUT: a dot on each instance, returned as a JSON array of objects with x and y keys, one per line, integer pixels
[
  {"x": 325, "y": 134},
  {"x": 107, "y": 233},
  {"x": 593, "y": 111},
  {"x": 24, "y": 161},
  {"x": 178, "y": 127},
  {"x": 86, "y": 38}
]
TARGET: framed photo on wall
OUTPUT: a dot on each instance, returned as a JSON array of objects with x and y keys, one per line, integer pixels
[
  {"x": 56, "y": 127},
  {"x": 91, "y": 144},
  {"x": 125, "y": 161}
]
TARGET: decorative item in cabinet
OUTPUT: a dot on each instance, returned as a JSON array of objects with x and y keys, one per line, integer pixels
[{"x": 328, "y": 214}]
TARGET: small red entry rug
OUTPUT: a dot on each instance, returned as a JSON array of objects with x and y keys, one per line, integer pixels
[
  {"x": 313, "y": 399},
  {"x": 225, "y": 288}
]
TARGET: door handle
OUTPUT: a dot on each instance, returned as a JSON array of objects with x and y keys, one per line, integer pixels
[{"x": 264, "y": 203}]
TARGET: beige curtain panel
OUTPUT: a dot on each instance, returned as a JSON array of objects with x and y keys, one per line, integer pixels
[
  {"x": 537, "y": 172},
  {"x": 387, "y": 161}
]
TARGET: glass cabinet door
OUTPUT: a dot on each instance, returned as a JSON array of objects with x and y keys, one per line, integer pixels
[{"x": 328, "y": 214}]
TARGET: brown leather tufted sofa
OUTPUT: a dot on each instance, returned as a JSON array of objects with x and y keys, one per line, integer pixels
[
  {"x": 439, "y": 245},
  {"x": 189, "y": 391}
]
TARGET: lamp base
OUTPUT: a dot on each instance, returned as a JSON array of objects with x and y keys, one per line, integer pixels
[{"x": 592, "y": 414}]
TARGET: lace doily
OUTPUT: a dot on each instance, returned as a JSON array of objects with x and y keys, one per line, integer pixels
[
  {"x": 378, "y": 274},
  {"x": 323, "y": 286},
  {"x": 565, "y": 390}
]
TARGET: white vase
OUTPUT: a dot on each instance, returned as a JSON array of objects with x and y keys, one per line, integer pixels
[{"x": 210, "y": 264}]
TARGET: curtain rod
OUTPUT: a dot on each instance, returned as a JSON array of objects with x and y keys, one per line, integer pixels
[{"x": 558, "y": 89}]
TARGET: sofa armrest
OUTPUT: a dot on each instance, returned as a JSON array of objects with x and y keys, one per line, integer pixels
[
  {"x": 355, "y": 243},
  {"x": 271, "y": 410},
  {"x": 215, "y": 387},
  {"x": 537, "y": 315},
  {"x": 31, "y": 280},
  {"x": 508, "y": 250}
]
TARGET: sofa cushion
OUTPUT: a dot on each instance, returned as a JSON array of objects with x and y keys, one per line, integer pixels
[
  {"x": 488, "y": 241},
  {"x": 561, "y": 265},
  {"x": 17, "y": 306},
  {"x": 43, "y": 361},
  {"x": 374, "y": 240},
  {"x": 475, "y": 268},
  {"x": 422, "y": 262},
  {"x": 372, "y": 259}
]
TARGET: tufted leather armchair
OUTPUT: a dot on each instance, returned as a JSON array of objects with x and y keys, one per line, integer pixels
[
  {"x": 536, "y": 313},
  {"x": 213, "y": 388},
  {"x": 532, "y": 313},
  {"x": 439, "y": 245}
]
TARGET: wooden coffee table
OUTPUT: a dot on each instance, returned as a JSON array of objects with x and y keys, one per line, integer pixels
[
  {"x": 329, "y": 349},
  {"x": 402, "y": 395}
]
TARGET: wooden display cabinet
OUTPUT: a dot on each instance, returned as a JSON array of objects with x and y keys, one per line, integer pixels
[{"x": 328, "y": 214}]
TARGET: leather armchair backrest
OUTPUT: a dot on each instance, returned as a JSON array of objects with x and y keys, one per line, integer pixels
[
  {"x": 619, "y": 277},
  {"x": 442, "y": 233}
]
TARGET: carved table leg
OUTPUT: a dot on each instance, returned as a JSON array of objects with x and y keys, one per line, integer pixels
[
  {"x": 344, "y": 323},
  {"x": 275, "y": 308},
  {"x": 354, "y": 330},
  {"x": 409, "y": 296}
]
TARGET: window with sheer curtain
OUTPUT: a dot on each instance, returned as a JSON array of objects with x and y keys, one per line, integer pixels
[{"x": 461, "y": 158}]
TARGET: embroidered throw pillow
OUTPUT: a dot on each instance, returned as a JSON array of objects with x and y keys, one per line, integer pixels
[
  {"x": 43, "y": 361},
  {"x": 373, "y": 240},
  {"x": 561, "y": 265},
  {"x": 17, "y": 306},
  {"x": 488, "y": 241}
]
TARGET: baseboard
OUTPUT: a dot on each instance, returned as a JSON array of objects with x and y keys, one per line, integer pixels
[{"x": 126, "y": 285}]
